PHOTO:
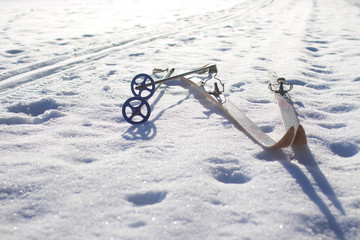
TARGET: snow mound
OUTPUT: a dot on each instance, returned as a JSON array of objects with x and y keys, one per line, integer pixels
[{"x": 36, "y": 112}]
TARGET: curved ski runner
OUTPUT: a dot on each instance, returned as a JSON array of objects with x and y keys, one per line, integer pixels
[
  {"x": 281, "y": 88},
  {"x": 242, "y": 121}
]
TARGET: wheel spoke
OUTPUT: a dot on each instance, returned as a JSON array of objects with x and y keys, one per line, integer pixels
[
  {"x": 144, "y": 80},
  {"x": 131, "y": 107}
]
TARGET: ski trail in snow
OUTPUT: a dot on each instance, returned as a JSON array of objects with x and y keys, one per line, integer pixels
[
  {"x": 14, "y": 78},
  {"x": 72, "y": 167},
  {"x": 321, "y": 47}
]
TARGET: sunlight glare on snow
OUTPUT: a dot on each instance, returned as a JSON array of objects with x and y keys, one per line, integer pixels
[{"x": 71, "y": 167}]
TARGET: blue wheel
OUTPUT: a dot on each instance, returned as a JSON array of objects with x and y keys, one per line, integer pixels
[
  {"x": 143, "y": 86},
  {"x": 136, "y": 110}
]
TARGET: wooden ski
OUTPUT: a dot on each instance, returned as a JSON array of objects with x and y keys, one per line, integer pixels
[
  {"x": 242, "y": 121},
  {"x": 281, "y": 88}
]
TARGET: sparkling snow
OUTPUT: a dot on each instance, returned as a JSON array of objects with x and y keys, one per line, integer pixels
[{"x": 72, "y": 168}]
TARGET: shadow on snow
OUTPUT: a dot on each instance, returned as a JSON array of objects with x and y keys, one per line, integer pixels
[
  {"x": 147, "y": 130},
  {"x": 305, "y": 157}
]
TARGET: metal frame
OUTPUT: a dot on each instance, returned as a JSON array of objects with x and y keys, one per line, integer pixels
[{"x": 211, "y": 68}]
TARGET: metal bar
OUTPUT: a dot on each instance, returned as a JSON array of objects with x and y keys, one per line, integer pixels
[
  {"x": 168, "y": 74},
  {"x": 212, "y": 69}
]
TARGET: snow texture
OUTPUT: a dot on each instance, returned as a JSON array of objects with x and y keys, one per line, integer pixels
[{"x": 72, "y": 168}]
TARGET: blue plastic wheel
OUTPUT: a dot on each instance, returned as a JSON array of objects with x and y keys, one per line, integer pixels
[
  {"x": 143, "y": 86},
  {"x": 136, "y": 110}
]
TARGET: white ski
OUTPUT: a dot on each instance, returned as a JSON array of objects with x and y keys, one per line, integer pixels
[
  {"x": 242, "y": 121},
  {"x": 288, "y": 114}
]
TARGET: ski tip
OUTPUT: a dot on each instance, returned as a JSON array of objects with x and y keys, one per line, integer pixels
[
  {"x": 286, "y": 140},
  {"x": 300, "y": 136}
]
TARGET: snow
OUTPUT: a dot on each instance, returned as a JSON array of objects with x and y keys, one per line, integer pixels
[{"x": 72, "y": 168}]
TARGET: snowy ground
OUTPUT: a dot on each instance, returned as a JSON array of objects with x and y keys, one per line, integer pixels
[{"x": 72, "y": 168}]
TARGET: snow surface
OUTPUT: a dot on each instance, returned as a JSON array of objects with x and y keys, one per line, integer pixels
[{"x": 72, "y": 168}]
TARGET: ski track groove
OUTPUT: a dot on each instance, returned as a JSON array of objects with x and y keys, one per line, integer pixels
[
  {"x": 313, "y": 49},
  {"x": 15, "y": 78}
]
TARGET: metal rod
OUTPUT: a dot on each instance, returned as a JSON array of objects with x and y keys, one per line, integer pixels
[
  {"x": 168, "y": 74},
  {"x": 212, "y": 69}
]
